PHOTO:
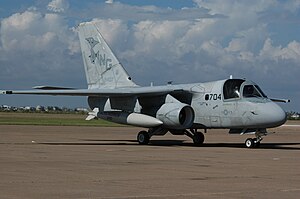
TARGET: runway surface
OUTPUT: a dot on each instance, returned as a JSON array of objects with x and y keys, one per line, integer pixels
[{"x": 96, "y": 162}]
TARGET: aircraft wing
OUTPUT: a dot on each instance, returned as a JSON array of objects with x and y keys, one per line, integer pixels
[{"x": 136, "y": 91}]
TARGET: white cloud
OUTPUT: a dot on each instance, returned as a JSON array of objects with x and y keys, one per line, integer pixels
[
  {"x": 154, "y": 36},
  {"x": 33, "y": 31},
  {"x": 109, "y": 1},
  {"x": 37, "y": 45},
  {"x": 276, "y": 53},
  {"x": 126, "y": 12},
  {"x": 292, "y": 5},
  {"x": 58, "y": 6},
  {"x": 115, "y": 31},
  {"x": 204, "y": 43}
]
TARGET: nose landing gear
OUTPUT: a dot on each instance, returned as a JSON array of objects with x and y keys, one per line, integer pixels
[
  {"x": 255, "y": 142},
  {"x": 252, "y": 143}
]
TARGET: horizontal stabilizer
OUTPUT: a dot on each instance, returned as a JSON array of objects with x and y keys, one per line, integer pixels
[{"x": 92, "y": 115}]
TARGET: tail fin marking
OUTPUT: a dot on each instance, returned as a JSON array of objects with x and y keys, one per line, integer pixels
[{"x": 102, "y": 68}]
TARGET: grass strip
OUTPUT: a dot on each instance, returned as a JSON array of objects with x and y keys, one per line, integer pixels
[{"x": 46, "y": 119}]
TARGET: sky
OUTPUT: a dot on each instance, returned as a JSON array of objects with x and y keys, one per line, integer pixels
[{"x": 184, "y": 41}]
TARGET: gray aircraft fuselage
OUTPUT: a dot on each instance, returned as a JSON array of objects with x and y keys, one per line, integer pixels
[{"x": 213, "y": 108}]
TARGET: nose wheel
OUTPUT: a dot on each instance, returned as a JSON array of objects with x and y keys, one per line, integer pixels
[
  {"x": 252, "y": 142},
  {"x": 255, "y": 142}
]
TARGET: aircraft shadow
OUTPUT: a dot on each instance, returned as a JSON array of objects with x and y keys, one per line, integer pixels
[
  {"x": 281, "y": 146},
  {"x": 172, "y": 143}
]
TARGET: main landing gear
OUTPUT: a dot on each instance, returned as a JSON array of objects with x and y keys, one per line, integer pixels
[
  {"x": 197, "y": 137},
  {"x": 143, "y": 137}
]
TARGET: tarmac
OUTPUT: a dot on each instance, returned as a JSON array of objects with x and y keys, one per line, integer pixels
[{"x": 105, "y": 162}]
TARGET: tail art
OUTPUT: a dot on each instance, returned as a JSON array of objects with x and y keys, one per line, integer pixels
[{"x": 102, "y": 68}]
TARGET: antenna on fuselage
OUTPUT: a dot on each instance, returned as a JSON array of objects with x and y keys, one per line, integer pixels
[{"x": 230, "y": 77}]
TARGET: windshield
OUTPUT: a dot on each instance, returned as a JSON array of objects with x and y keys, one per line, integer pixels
[
  {"x": 252, "y": 91},
  {"x": 261, "y": 92}
]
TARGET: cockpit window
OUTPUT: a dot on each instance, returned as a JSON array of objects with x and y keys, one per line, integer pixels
[
  {"x": 231, "y": 88},
  {"x": 261, "y": 92},
  {"x": 252, "y": 91}
]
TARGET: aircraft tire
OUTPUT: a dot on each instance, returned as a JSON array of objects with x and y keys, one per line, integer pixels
[
  {"x": 143, "y": 137},
  {"x": 198, "y": 138},
  {"x": 249, "y": 143}
]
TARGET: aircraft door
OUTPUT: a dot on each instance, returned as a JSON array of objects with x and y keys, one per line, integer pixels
[{"x": 229, "y": 113}]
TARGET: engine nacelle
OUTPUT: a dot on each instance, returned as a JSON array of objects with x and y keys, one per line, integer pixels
[{"x": 176, "y": 115}]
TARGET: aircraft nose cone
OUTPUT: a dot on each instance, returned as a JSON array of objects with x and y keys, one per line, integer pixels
[{"x": 275, "y": 114}]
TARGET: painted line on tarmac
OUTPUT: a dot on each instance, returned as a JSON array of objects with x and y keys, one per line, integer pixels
[{"x": 291, "y": 125}]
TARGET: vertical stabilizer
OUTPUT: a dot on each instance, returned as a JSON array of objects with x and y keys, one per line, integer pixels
[{"x": 102, "y": 68}]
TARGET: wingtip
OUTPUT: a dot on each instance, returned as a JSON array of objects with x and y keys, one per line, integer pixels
[{"x": 6, "y": 92}]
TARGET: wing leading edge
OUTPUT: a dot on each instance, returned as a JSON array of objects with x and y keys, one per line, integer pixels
[{"x": 139, "y": 91}]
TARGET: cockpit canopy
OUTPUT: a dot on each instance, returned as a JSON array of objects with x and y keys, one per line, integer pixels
[
  {"x": 233, "y": 88},
  {"x": 253, "y": 91}
]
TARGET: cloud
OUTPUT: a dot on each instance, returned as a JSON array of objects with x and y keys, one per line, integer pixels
[
  {"x": 209, "y": 41},
  {"x": 35, "y": 44},
  {"x": 109, "y": 1},
  {"x": 34, "y": 31},
  {"x": 292, "y": 5},
  {"x": 58, "y": 6},
  {"x": 117, "y": 10},
  {"x": 276, "y": 53},
  {"x": 114, "y": 31}
]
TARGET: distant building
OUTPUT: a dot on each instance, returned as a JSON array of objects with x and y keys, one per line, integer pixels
[
  {"x": 6, "y": 107},
  {"x": 29, "y": 108},
  {"x": 40, "y": 108},
  {"x": 82, "y": 110}
]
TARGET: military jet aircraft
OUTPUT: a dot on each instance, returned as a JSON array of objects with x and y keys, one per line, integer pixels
[{"x": 235, "y": 104}]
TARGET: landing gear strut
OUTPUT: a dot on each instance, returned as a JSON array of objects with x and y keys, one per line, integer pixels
[
  {"x": 143, "y": 137},
  {"x": 198, "y": 137},
  {"x": 255, "y": 142}
]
